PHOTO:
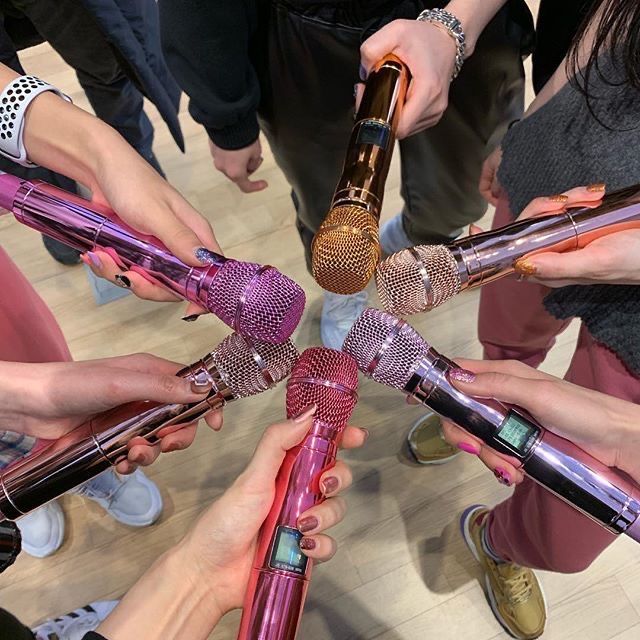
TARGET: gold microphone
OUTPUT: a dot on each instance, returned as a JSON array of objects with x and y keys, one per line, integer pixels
[{"x": 346, "y": 248}]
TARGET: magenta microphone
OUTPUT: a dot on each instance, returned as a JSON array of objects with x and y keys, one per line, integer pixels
[
  {"x": 257, "y": 301},
  {"x": 281, "y": 572},
  {"x": 390, "y": 351},
  {"x": 237, "y": 368},
  {"x": 423, "y": 277}
]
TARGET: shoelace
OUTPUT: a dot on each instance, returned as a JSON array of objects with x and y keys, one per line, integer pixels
[{"x": 518, "y": 587}]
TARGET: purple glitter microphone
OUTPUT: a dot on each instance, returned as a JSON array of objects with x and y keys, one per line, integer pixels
[
  {"x": 390, "y": 351},
  {"x": 257, "y": 301}
]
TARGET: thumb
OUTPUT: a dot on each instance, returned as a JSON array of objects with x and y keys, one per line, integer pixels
[
  {"x": 378, "y": 46},
  {"x": 559, "y": 266}
]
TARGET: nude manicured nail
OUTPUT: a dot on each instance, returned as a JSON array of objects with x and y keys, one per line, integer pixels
[
  {"x": 307, "y": 544},
  {"x": 307, "y": 524},
  {"x": 94, "y": 259},
  {"x": 558, "y": 197},
  {"x": 598, "y": 186},
  {"x": 462, "y": 375},
  {"x": 330, "y": 484},
  {"x": 305, "y": 414},
  {"x": 467, "y": 448},
  {"x": 525, "y": 268}
]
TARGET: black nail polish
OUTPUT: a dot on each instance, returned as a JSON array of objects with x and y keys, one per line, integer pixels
[
  {"x": 123, "y": 281},
  {"x": 363, "y": 73},
  {"x": 192, "y": 318}
]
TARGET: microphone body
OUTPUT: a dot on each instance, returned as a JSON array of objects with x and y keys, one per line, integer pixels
[
  {"x": 402, "y": 359},
  {"x": 346, "y": 248},
  {"x": 423, "y": 277},
  {"x": 103, "y": 441},
  {"x": 280, "y": 577},
  {"x": 255, "y": 300}
]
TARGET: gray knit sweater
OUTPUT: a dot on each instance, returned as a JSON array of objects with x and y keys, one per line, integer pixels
[{"x": 562, "y": 145}]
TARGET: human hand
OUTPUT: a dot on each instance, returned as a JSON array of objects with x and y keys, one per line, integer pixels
[
  {"x": 489, "y": 186},
  {"x": 239, "y": 164},
  {"x": 429, "y": 52},
  {"x": 610, "y": 259},
  {"x": 48, "y": 400},
  {"x": 222, "y": 544},
  {"x": 603, "y": 426}
]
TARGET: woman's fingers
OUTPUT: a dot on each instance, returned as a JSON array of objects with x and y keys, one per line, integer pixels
[
  {"x": 214, "y": 419},
  {"x": 322, "y": 516},
  {"x": 589, "y": 196},
  {"x": 336, "y": 479},
  {"x": 319, "y": 547},
  {"x": 508, "y": 367},
  {"x": 354, "y": 437},
  {"x": 142, "y": 453}
]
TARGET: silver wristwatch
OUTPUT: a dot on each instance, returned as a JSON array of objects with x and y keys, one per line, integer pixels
[{"x": 453, "y": 27}]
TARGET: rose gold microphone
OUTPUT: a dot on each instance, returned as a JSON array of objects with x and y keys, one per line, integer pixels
[
  {"x": 346, "y": 248},
  {"x": 421, "y": 278},
  {"x": 237, "y": 369}
]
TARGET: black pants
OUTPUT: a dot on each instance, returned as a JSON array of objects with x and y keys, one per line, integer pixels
[
  {"x": 307, "y": 75},
  {"x": 12, "y": 629}
]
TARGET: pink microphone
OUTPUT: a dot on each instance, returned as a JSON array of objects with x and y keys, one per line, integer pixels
[
  {"x": 280, "y": 576},
  {"x": 257, "y": 301},
  {"x": 390, "y": 351}
]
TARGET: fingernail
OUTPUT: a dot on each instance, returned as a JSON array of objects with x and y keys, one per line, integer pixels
[
  {"x": 363, "y": 73},
  {"x": 504, "y": 477},
  {"x": 330, "y": 484},
  {"x": 94, "y": 258},
  {"x": 307, "y": 544},
  {"x": 171, "y": 447},
  {"x": 355, "y": 91},
  {"x": 305, "y": 414},
  {"x": 205, "y": 256},
  {"x": 192, "y": 318},
  {"x": 366, "y": 432},
  {"x": 462, "y": 375},
  {"x": 558, "y": 197},
  {"x": 123, "y": 281},
  {"x": 598, "y": 186},
  {"x": 467, "y": 448},
  {"x": 525, "y": 268},
  {"x": 201, "y": 382},
  {"x": 307, "y": 524}
]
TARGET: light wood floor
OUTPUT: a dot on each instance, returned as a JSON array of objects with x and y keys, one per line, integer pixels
[{"x": 402, "y": 571}]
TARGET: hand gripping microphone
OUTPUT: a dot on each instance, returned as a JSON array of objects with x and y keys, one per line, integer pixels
[
  {"x": 236, "y": 368},
  {"x": 346, "y": 248},
  {"x": 390, "y": 351},
  {"x": 257, "y": 301},
  {"x": 281, "y": 572},
  {"x": 421, "y": 278}
]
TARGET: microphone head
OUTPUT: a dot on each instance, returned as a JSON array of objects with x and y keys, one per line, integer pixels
[
  {"x": 417, "y": 279},
  {"x": 346, "y": 250},
  {"x": 259, "y": 302},
  {"x": 327, "y": 377},
  {"x": 249, "y": 367},
  {"x": 386, "y": 348}
]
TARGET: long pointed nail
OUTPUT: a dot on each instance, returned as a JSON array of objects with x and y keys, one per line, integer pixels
[
  {"x": 94, "y": 259},
  {"x": 462, "y": 375},
  {"x": 363, "y": 73},
  {"x": 525, "y": 268},
  {"x": 205, "y": 256},
  {"x": 598, "y": 186},
  {"x": 123, "y": 281},
  {"x": 305, "y": 414},
  {"x": 192, "y": 318}
]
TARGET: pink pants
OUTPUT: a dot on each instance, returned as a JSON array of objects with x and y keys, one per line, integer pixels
[{"x": 533, "y": 528}]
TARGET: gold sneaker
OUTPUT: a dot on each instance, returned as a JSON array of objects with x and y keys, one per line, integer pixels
[
  {"x": 514, "y": 593},
  {"x": 426, "y": 442}
]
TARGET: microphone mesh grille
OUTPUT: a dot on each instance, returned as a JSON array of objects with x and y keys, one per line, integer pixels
[
  {"x": 236, "y": 362},
  {"x": 399, "y": 359},
  {"x": 346, "y": 250},
  {"x": 273, "y": 305},
  {"x": 334, "y": 405},
  {"x": 407, "y": 285}
]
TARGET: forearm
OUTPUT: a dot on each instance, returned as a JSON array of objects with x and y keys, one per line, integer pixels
[
  {"x": 474, "y": 15},
  {"x": 168, "y": 602},
  {"x": 15, "y": 389}
]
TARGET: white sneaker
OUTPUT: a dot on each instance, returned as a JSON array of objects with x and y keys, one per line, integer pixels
[
  {"x": 393, "y": 237},
  {"x": 42, "y": 530},
  {"x": 338, "y": 315},
  {"x": 74, "y": 625},
  {"x": 132, "y": 499}
]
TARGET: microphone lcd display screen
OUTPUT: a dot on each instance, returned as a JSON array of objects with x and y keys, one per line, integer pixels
[
  {"x": 517, "y": 433},
  {"x": 286, "y": 554},
  {"x": 373, "y": 132}
]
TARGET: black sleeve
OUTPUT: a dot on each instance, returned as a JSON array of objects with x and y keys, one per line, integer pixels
[
  {"x": 206, "y": 44},
  {"x": 92, "y": 635}
]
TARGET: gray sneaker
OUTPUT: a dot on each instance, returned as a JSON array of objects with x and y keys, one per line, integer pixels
[
  {"x": 338, "y": 315},
  {"x": 393, "y": 237},
  {"x": 42, "y": 530}
]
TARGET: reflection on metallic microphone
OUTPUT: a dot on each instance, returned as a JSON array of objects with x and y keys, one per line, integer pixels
[
  {"x": 237, "y": 368},
  {"x": 423, "y": 277},
  {"x": 257, "y": 301},
  {"x": 346, "y": 248},
  {"x": 391, "y": 352}
]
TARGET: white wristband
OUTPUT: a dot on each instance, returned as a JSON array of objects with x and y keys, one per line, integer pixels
[{"x": 14, "y": 102}]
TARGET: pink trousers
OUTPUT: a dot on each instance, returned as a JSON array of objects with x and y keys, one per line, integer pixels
[{"x": 533, "y": 528}]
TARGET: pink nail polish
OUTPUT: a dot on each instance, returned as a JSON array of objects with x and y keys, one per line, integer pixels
[
  {"x": 95, "y": 260},
  {"x": 330, "y": 484},
  {"x": 305, "y": 414},
  {"x": 307, "y": 524},
  {"x": 468, "y": 448},
  {"x": 462, "y": 375},
  {"x": 307, "y": 544},
  {"x": 504, "y": 477}
]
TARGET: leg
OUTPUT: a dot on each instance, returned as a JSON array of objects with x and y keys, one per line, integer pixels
[
  {"x": 12, "y": 629},
  {"x": 441, "y": 166}
]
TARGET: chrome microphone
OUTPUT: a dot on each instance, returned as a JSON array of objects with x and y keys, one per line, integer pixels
[
  {"x": 237, "y": 368},
  {"x": 281, "y": 573},
  {"x": 257, "y": 301},
  {"x": 346, "y": 248},
  {"x": 390, "y": 351},
  {"x": 423, "y": 277}
]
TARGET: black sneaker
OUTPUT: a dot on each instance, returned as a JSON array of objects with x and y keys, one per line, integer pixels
[{"x": 61, "y": 252}]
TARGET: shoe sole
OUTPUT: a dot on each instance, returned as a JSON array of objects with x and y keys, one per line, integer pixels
[
  {"x": 488, "y": 591},
  {"x": 413, "y": 453},
  {"x": 36, "y": 552}
]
